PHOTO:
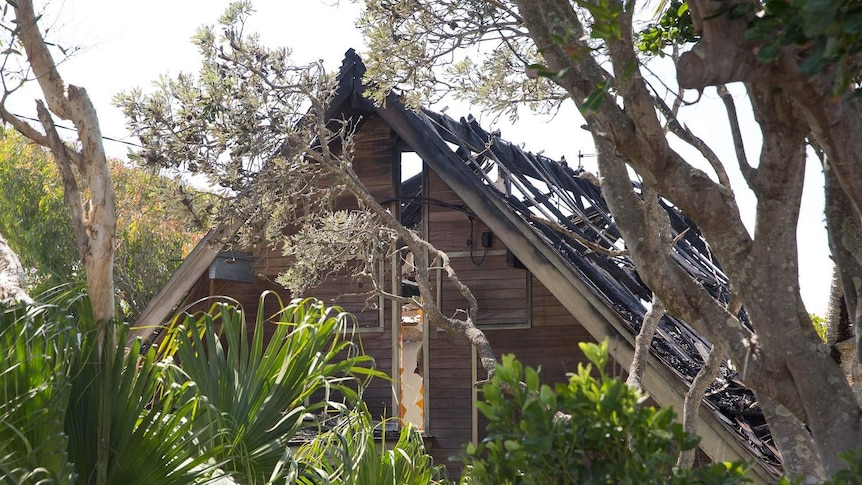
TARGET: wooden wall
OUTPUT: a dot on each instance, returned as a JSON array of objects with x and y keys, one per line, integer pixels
[
  {"x": 541, "y": 332},
  {"x": 547, "y": 336}
]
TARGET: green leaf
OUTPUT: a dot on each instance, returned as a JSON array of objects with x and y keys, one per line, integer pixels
[
  {"x": 595, "y": 353},
  {"x": 815, "y": 62},
  {"x": 853, "y": 21},
  {"x": 531, "y": 378},
  {"x": 778, "y": 7},
  {"x": 512, "y": 445},
  {"x": 820, "y": 6},
  {"x": 741, "y": 10},
  {"x": 816, "y": 23},
  {"x": 768, "y": 53}
]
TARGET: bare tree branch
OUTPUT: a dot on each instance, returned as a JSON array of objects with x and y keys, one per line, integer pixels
[
  {"x": 643, "y": 341},
  {"x": 687, "y": 136},
  {"x": 748, "y": 172},
  {"x": 580, "y": 239},
  {"x": 694, "y": 399},
  {"x": 71, "y": 191}
]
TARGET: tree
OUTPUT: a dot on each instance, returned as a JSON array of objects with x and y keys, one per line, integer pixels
[
  {"x": 82, "y": 170},
  {"x": 159, "y": 219},
  {"x": 798, "y": 64},
  {"x": 32, "y": 197},
  {"x": 257, "y": 125},
  {"x": 155, "y": 227}
]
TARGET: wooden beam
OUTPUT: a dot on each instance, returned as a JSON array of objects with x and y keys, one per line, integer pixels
[{"x": 197, "y": 263}]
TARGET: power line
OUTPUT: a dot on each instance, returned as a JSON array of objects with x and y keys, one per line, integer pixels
[{"x": 108, "y": 138}]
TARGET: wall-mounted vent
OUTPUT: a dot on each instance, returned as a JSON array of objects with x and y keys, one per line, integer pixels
[{"x": 233, "y": 266}]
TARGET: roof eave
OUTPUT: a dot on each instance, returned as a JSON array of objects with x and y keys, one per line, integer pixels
[{"x": 160, "y": 309}]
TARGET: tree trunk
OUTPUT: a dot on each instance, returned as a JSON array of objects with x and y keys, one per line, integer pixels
[
  {"x": 786, "y": 362},
  {"x": 95, "y": 228},
  {"x": 11, "y": 276},
  {"x": 798, "y": 449}
]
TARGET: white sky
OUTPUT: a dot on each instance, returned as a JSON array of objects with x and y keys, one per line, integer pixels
[{"x": 129, "y": 44}]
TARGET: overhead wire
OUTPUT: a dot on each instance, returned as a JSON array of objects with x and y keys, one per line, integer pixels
[{"x": 107, "y": 138}]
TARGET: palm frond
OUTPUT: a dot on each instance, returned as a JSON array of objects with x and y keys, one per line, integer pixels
[
  {"x": 257, "y": 395},
  {"x": 220, "y": 402},
  {"x": 52, "y": 380},
  {"x": 350, "y": 454},
  {"x": 153, "y": 438},
  {"x": 34, "y": 391}
]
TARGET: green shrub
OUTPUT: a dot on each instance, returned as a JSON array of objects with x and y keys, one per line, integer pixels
[{"x": 590, "y": 430}]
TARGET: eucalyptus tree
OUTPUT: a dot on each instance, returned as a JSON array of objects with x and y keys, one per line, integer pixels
[
  {"x": 158, "y": 219},
  {"x": 84, "y": 173},
  {"x": 798, "y": 63},
  {"x": 83, "y": 169}
]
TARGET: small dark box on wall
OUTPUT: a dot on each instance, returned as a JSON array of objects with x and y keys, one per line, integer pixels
[
  {"x": 233, "y": 266},
  {"x": 487, "y": 237}
]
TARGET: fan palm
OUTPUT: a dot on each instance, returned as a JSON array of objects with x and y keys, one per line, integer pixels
[
  {"x": 227, "y": 411},
  {"x": 255, "y": 396},
  {"x": 53, "y": 379}
]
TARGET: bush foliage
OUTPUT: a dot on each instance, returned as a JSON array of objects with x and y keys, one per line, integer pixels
[
  {"x": 589, "y": 430},
  {"x": 226, "y": 412}
]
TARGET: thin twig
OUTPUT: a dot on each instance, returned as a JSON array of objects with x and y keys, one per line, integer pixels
[{"x": 580, "y": 239}]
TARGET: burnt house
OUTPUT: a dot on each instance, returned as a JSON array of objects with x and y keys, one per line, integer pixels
[{"x": 534, "y": 241}]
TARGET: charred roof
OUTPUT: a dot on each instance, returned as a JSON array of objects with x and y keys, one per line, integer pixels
[{"x": 564, "y": 207}]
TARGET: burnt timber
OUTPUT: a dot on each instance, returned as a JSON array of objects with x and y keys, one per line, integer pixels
[{"x": 542, "y": 211}]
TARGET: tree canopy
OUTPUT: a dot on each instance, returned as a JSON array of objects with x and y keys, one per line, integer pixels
[
  {"x": 798, "y": 65},
  {"x": 158, "y": 221}
]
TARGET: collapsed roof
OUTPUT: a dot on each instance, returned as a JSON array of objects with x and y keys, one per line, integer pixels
[
  {"x": 554, "y": 219},
  {"x": 564, "y": 207}
]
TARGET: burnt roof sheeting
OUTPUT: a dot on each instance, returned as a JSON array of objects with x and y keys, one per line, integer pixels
[
  {"x": 409, "y": 197},
  {"x": 552, "y": 188},
  {"x": 536, "y": 186}
]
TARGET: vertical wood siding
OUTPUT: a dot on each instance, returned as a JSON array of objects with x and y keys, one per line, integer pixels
[{"x": 550, "y": 342}]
